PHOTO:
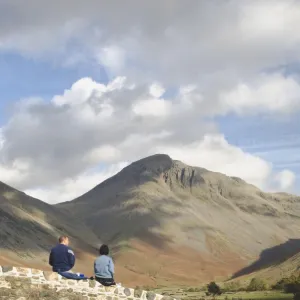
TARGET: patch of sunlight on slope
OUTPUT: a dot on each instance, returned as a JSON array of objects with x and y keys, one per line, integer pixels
[
  {"x": 36, "y": 217},
  {"x": 11, "y": 195}
]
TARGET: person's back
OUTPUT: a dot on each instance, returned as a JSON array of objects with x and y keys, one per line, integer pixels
[
  {"x": 104, "y": 267},
  {"x": 61, "y": 257}
]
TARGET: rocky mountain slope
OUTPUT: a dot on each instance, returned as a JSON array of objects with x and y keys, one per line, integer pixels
[
  {"x": 170, "y": 223},
  {"x": 30, "y": 227}
]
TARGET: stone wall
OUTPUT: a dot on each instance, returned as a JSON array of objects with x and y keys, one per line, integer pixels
[{"x": 30, "y": 284}]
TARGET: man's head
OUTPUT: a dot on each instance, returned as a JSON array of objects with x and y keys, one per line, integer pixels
[{"x": 63, "y": 240}]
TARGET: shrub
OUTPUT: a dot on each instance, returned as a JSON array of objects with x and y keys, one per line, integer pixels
[
  {"x": 290, "y": 285},
  {"x": 297, "y": 296},
  {"x": 257, "y": 284},
  {"x": 213, "y": 289},
  {"x": 292, "y": 288},
  {"x": 234, "y": 286},
  {"x": 280, "y": 285}
]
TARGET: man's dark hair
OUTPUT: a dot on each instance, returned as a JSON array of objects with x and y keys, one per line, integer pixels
[
  {"x": 104, "y": 250},
  {"x": 62, "y": 238}
]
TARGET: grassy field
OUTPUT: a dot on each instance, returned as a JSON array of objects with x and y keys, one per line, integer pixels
[
  {"x": 185, "y": 295},
  {"x": 256, "y": 295}
]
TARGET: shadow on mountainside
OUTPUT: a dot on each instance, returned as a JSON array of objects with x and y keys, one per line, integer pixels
[
  {"x": 26, "y": 237},
  {"x": 133, "y": 204},
  {"x": 21, "y": 235},
  {"x": 272, "y": 257},
  {"x": 26, "y": 243},
  {"x": 121, "y": 223}
]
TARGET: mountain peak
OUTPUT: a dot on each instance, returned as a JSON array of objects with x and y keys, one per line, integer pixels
[
  {"x": 152, "y": 208},
  {"x": 162, "y": 204},
  {"x": 154, "y": 164},
  {"x": 157, "y": 157}
]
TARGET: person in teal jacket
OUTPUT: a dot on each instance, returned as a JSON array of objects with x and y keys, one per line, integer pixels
[{"x": 104, "y": 267}]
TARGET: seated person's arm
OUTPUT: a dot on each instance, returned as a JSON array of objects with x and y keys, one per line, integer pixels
[
  {"x": 71, "y": 258},
  {"x": 95, "y": 270},
  {"x": 111, "y": 268},
  {"x": 50, "y": 259}
]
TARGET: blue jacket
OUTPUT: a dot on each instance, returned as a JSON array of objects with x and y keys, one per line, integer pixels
[
  {"x": 104, "y": 267},
  {"x": 61, "y": 258}
]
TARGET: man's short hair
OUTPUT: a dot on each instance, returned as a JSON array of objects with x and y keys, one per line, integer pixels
[
  {"x": 62, "y": 238},
  {"x": 104, "y": 250}
]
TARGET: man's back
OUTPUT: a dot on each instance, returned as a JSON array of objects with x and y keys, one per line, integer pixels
[{"x": 61, "y": 258}]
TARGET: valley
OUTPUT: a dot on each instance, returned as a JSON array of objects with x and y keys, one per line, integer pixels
[{"x": 168, "y": 224}]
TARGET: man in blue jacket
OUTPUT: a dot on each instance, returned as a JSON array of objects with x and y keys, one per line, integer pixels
[{"x": 62, "y": 258}]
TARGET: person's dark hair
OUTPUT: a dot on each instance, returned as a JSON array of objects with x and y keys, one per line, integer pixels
[
  {"x": 62, "y": 238},
  {"x": 104, "y": 250}
]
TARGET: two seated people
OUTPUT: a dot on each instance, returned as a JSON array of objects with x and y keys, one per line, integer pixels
[{"x": 62, "y": 260}]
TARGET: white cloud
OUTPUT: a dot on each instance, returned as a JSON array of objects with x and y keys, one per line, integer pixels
[
  {"x": 105, "y": 153},
  {"x": 71, "y": 188},
  {"x": 217, "y": 57},
  {"x": 267, "y": 93},
  {"x": 167, "y": 42},
  {"x": 86, "y": 125},
  {"x": 156, "y": 90},
  {"x": 262, "y": 21},
  {"x": 152, "y": 107},
  {"x": 214, "y": 153},
  {"x": 79, "y": 92},
  {"x": 113, "y": 58},
  {"x": 48, "y": 144},
  {"x": 12, "y": 174},
  {"x": 1, "y": 139},
  {"x": 286, "y": 180}
]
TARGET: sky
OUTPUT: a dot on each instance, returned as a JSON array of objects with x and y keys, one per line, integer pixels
[{"x": 87, "y": 87}]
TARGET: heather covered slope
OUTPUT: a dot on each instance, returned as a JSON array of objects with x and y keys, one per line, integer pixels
[
  {"x": 173, "y": 223},
  {"x": 30, "y": 227}
]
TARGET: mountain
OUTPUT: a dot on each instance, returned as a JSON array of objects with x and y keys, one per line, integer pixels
[
  {"x": 274, "y": 263},
  {"x": 169, "y": 223},
  {"x": 30, "y": 227}
]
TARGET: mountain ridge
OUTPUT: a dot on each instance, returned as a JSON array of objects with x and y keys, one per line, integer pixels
[
  {"x": 30, "y": 227},
  {"x": 221, "y": 218},
  {"x": 167, "y": 223}
]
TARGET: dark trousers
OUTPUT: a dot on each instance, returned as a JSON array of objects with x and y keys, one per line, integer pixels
[{"x": 105, "y": 281}]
